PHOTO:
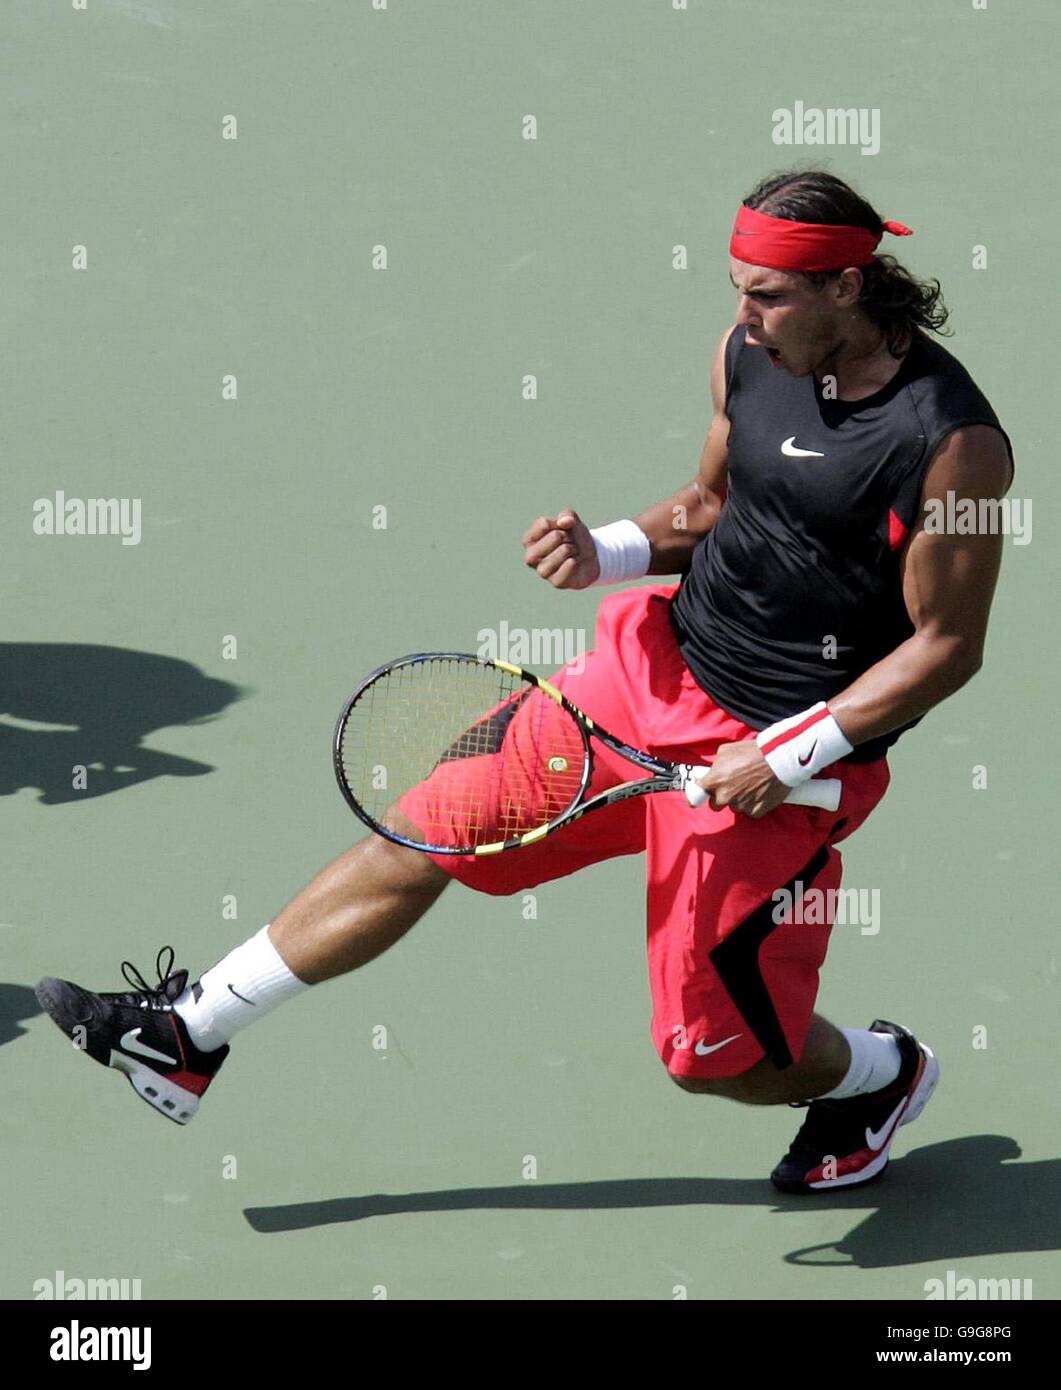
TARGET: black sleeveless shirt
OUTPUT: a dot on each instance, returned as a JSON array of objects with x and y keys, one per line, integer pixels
[{"x": 795, "y": 592}]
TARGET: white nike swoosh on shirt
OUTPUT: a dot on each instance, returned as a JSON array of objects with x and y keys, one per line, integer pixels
[
  {"x": 788, "y": 448},
  {"x": 131, "y": 1042},
  {"x": 877, "y": 1139},
  {"x": 702, "y": 1051}
]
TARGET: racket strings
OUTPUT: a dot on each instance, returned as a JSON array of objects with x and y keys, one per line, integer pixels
[
  {"x": 488, "y": 734},
  {"x": 475, "y": 754}
]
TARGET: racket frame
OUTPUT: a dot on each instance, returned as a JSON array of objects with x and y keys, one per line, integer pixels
[{"x": 665, "y": 776}]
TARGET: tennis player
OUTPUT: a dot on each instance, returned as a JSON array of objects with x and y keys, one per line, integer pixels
[{"x": 817, "y": 618}]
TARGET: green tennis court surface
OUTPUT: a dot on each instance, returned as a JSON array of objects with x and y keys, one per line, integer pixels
[{"x": 516, "y": 1137}]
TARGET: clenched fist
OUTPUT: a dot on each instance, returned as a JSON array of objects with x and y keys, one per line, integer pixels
[{"x": 561, "y": 550}]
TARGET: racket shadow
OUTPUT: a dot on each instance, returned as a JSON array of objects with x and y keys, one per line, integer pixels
[{"x": 951, "y": 1200}]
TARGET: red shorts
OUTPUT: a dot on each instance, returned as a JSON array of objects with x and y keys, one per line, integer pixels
[{"x": 730, "y": 984}]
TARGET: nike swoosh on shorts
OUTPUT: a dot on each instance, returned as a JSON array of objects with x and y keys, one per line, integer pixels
[{"x": 702, "y": 1051}]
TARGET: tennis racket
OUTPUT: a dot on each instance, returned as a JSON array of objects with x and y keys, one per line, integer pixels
[{"x": 488, "y": 757}]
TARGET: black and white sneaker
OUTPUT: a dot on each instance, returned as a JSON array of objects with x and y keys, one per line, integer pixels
[
  {"x": 139, "y": 1033},
  {"x": 845, "y": 1142}
]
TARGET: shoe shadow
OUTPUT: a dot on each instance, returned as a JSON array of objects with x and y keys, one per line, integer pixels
[
  {"x": 100, "y": 702},
  {"x": 952, "y": 1200},
  {"x": 947, "y": 1200},
  {"x": 17, "y": 1002}
]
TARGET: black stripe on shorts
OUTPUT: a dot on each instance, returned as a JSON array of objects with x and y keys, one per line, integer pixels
[{"x": 737, "y": 961}]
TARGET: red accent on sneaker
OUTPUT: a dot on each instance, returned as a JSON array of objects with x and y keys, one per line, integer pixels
[
  {"x": 897, "y": 1089},
  {"x": 189, "y": 1081},
  {"x": 177, "y": 1033},
  {"x": 861, "y": 1158},
  {"x": 851, "y": 1163}
]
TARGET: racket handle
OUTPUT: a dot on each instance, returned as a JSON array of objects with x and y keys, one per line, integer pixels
[
  {"x": 694, "y": 792},
  {"x": 823, "y": 792},
  {"x": 819, "y": 791}
]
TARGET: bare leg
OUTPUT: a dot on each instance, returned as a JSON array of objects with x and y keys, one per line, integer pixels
[
  {"x": 823, "y": 1065},
  {"x": 356, "y": 907}
]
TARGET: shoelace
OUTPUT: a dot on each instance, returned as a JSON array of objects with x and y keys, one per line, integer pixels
[
  {"x": 157, "y": 992},
  {"x": 817, "y": 1127}
]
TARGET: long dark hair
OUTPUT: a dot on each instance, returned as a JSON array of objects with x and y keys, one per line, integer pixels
[{"x": 893, "y": 299}]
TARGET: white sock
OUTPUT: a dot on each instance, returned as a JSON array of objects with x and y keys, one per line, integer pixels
[
  {"x": 875, "y": 1062},
  {"x": 249, "y": 983}
]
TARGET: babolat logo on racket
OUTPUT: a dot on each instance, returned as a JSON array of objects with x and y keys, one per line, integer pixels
[{"x": 452, "y": 753}]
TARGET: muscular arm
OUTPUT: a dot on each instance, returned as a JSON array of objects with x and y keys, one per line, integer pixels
[
  {"x": 675, "y": 525},
  {"x": 948, "y": 584}
]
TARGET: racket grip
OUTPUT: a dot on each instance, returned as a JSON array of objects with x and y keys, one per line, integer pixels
[
  {"x": 694, "y": 792},
  {"x": 823, "y": 792},
  {"x": 819, "y": 791}
]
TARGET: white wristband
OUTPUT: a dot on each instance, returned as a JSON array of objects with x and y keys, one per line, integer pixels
[
  {"x": 623, "y": 551},
  {"x": 799, "y": 747}
]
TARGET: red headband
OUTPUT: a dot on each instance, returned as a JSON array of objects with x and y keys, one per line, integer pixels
[{"x": 781, "y": 244}]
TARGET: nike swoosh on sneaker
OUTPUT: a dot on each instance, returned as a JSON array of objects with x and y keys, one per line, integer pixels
[
  {"x": 702, "y": 1051},
  {"x": 131, "y": 1043},
  {"x": 789, "y": 449},
  {"x": 876, "y": 1139}
]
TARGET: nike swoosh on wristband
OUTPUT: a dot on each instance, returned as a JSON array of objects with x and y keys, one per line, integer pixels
[
  {"x": 240, "y": 997},
  {"x": 131, "y": 1043},
  {"x": 788, "y": 448},
  {"x": 876, "y": 1139},
  {"x": 804, "y": 761},
  {"x": 702, "y": 1051}
]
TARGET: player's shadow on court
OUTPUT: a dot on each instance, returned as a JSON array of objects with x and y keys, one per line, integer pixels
[
  {"x": 953, "y": 1200},
  {"x": 17, "y": 1002},
  {"x": 100, "y": 703},
  {"x": 946, "y": 1201}
]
